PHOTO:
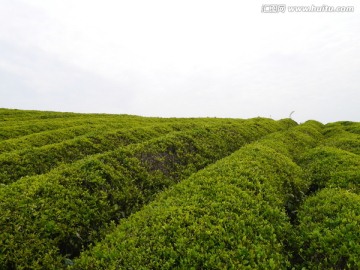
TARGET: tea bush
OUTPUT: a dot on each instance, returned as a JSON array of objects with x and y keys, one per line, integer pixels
[
  {"x": 328, "y": 231},
  {"x": 33, "y": 161},
  {"x": 230, "y": 215},
  {"x": 55, "y": 215},
  {"x": 323, "y": 163}
]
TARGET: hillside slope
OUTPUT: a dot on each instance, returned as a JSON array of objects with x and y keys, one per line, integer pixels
[{"x": 97, "y": 191}]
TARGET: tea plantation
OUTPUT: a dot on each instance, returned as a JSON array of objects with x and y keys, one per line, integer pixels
[{"x": 101, "y": 191}]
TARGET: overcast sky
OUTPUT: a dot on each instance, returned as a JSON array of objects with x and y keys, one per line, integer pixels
[{"x": 180, "y": 58}]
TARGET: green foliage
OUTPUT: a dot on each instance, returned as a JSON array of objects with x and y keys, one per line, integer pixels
[
  {"x": 63, "y": 211},
  {"x": 230, "y": 215},
  {"x": 287, "y": 123},
  {"x": 328, "y": 234},
  {"x": 40, "y": 160},
  {"x": 347, "y": 179},
  {"x": 213, "y": 225},
  {"x": 296, "y": 140},
  {"x": 22, "y": 123},
  {"x": 353, "y": 127},
  {"x": 340, "y": 138},
  {"x": 60, "y": 135},
  {"x": 97, "y": 191},
  {"x": 21, "y": 127},
  {"x": 322, "y": 164}
]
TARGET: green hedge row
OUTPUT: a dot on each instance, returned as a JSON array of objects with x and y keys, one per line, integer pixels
[
  {"x": 353, "y": 127},
  {"x": 328, "y": 235},
  {"x": 331, "y": 167},
  {"x": 21, "y": 117},
  {"x": 16, "y": 131},
  {"x": 337, "y": 136},
  {"x": 66, "y": 133},
  {"x": 51, "y": 137},
  {"x": 230, "y": 215},
  {"x": 329, "y": 220},
  {"x": 13, "y": 115},
  {"x": 20, "y": 129},
  {"x": 296, "y": 141},
  {"x": 48, "y": 218},
  {"x": 33, "y": 161},
  {"x": 336, "y": 162},
  {"x": 23, "y": 128}
]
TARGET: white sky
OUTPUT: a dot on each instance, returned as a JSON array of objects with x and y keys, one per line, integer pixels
[{"x": 180, "y": 58}]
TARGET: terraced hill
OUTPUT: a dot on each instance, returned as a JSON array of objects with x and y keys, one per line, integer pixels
[{"x": 96, "y": 191}]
